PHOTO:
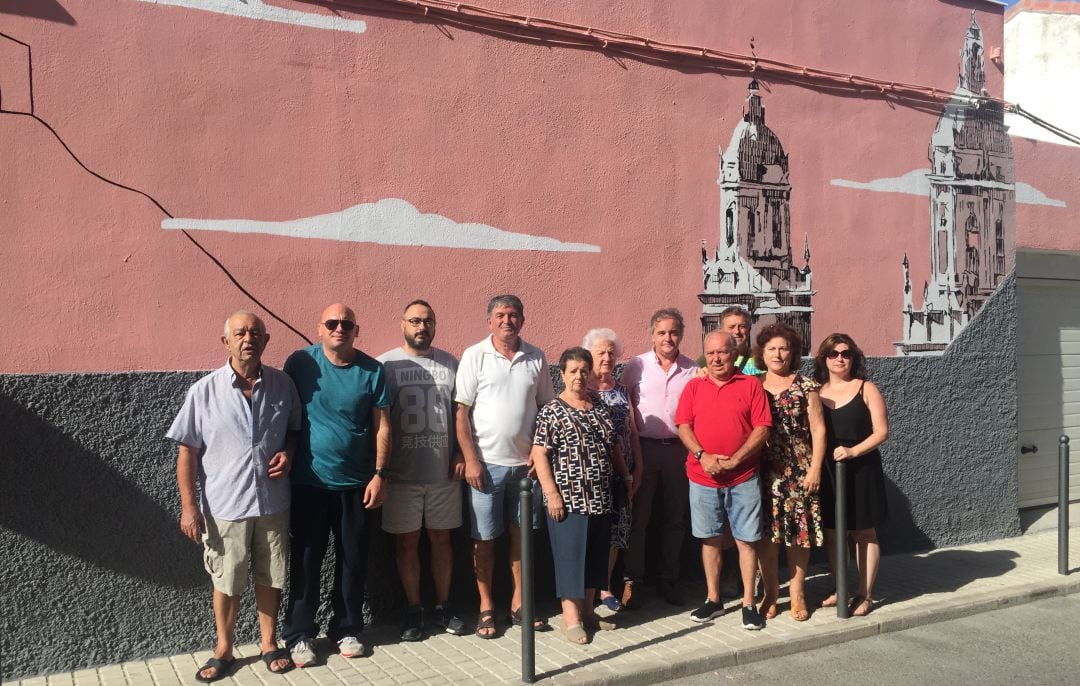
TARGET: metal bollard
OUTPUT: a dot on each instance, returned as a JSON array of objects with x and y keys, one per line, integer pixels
[
  {"x": 528, "y": 607},
  {"x": 1063, "y": 505},
  {"x": 841, "y": 541}
]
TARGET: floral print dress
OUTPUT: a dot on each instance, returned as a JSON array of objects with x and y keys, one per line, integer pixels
[
  {"x": 618, "y": 401},
  {"x": 792, "y": 515}
]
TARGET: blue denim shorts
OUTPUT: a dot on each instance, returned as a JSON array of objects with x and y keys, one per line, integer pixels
[
  {"x": 740, "y": 505},
  {"x": 497, "y": 505}
]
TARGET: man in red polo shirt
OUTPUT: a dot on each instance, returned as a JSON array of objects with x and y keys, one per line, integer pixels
[{"x": 723, "y": 420}]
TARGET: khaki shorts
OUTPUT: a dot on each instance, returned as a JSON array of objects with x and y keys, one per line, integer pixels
[
  {"x": 230, "y": 547},
  {"x": 409, "y": 505}
]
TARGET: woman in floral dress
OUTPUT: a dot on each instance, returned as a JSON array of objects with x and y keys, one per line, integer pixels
[{"x": 791, "y": 465}]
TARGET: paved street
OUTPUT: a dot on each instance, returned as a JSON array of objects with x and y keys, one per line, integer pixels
[
  {"x": 660, "y": 643},
  {"x": 1035, "y": 643}
]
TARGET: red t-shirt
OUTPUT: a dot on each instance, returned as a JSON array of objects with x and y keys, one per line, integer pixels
[{"x": 722, "y": 418}]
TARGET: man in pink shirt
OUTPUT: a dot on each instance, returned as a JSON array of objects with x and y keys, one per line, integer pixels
[
  {"x": 723, "y": 421},
  {"x": 655, "y": 381}
]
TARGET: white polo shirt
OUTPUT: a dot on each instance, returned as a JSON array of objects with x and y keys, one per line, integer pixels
[{"x": 504, "y": 396}]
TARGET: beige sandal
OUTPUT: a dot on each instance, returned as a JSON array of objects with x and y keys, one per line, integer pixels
[{"x": 576, "y": 634}]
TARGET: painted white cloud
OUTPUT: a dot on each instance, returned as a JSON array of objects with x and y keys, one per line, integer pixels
[
  {"x": 1029, "y": 195},
  {"x": 257, "y": 9},
  {"x": 916, "y": 183},
  {"x": 389, "y": 221}
]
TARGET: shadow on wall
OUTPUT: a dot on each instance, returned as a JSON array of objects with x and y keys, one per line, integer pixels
[
  {"x": 58, "y": 493},
  {"x": 900, "y": 527},
  {"x": 49, "y": 10}
]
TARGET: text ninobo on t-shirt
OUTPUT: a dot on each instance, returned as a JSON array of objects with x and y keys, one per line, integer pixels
[
  {"x": 336, "y": 449},
  {"x": 722, "y": 418},
  {"x": 421, "y": 414}
]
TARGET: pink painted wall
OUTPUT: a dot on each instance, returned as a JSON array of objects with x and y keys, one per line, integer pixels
[
  {"x": 1054, "y": 169},
  {"x": 223, "y": 117}
]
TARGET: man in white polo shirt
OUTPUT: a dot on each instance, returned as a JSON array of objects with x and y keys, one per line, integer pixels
[{"x": 501, "y": 382}]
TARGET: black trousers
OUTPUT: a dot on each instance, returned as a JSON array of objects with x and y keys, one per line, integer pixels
[
  {"x": 664, "y": 495},
  {"x": 315, "y": 514}
]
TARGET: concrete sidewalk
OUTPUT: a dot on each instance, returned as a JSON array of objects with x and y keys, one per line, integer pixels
[{"x": 658, "y": 642}]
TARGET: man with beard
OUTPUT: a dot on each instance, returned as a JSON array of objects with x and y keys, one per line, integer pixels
[{"x": 425, "y": 466}]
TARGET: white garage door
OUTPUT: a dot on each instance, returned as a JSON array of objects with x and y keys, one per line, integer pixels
[{"x": 1048, "y": 372}]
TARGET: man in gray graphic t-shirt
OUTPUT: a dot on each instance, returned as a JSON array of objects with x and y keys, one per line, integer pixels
[{"x": 425, "y": 466}]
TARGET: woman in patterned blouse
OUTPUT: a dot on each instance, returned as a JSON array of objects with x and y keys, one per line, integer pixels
[
  {"x": 605, "y": 349},
  {"x": 574, "y": 454}
]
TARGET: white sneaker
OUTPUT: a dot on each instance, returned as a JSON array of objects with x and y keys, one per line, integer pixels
[
  {"x": 302, "y": 654},
  {"x": 350, "y": 647}
]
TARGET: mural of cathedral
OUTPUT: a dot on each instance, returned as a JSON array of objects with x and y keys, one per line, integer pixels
[
  {"x": 751, "y": 265},
  {"x": 972, "y": 211}
]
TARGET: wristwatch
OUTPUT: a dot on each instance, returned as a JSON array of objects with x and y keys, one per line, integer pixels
[
  {"x": 382, "y": 472},
  {"x": 698, "y": 454}
]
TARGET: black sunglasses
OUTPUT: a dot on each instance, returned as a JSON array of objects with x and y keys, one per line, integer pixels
[
  {"x": 846, "y": 354},
  {"x": 345, "y": 324}
]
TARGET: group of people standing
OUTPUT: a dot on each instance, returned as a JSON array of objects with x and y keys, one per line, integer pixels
[{"x": 271, "y": 463}]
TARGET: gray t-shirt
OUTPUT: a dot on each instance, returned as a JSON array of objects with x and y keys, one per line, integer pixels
[{"x": 421, "y": 414}]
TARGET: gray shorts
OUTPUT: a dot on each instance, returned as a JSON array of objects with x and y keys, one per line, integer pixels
[
  {"x": 410, "y": 505},
  {"x": 231, "y": 547}
]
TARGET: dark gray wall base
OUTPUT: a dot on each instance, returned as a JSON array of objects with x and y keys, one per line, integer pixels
[
  {"x": 93, "y": 563},
  {"x": 951, "y": 454}
]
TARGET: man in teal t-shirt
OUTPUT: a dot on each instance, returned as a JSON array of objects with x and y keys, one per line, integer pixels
[
  {"x": 337, "y": 475},
  {"x": 736, "y": 321}
]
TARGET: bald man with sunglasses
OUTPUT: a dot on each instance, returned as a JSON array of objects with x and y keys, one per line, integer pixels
[{"x": 337, "y": 478}]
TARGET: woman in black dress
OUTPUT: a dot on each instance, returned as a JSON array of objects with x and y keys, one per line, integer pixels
[{"x": 856, "y": 423}]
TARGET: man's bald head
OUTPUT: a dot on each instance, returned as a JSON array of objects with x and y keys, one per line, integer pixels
[
  {"x": 338, "y": 311},
  {"x": 720, "y": 348},
  {"x": 724, "y": 339},
  {"x": 337, "y": 331}
]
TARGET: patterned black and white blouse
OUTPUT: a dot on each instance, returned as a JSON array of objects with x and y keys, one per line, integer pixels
[{"x": 580, "y": 448}]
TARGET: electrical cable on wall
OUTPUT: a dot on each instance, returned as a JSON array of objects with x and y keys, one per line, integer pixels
[
  {"x": 149, "y": 197},
  {"x": 552, "y": 31}
]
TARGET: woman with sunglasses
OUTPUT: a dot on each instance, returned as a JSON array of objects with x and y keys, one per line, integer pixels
[
  {"x": 856, "y": 423},
  {"x": 790, "y": 467}
]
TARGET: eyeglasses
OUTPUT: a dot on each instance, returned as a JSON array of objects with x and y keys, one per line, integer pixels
[
  {"x": 846, "y": 354},
  {"x": 345, "y": 324},
  {"x": 417, "y": 321}
]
